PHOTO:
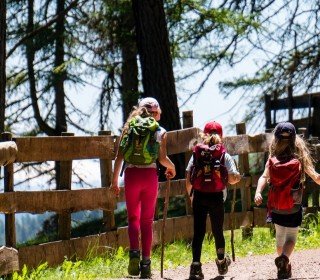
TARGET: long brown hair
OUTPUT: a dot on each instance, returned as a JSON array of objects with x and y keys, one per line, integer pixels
[{"x": 292, "y": 147}]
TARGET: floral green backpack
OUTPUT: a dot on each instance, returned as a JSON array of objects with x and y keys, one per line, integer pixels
[{"x": 138, "y": 145}]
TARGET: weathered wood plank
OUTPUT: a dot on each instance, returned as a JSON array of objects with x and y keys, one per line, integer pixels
[
  {"x": 259, "y": 143},
  {"x": 300, "y": 101},
  {"x": 106, "y": 176},
  {"x": 8, "y": 152},
  {"x": 122, "y": 237},
  {"x": 259, "y": 215},
  {"x": 242, "y": 144},
  {"x": 187, "y": 122},
  {"x": 241, "y": 219},
  {"x": 75, "y": 200},
  {"x": 76, "y": 248},
  {"x": 59, "y": 148},
  {"x": 9, "y": 260},
  {"x": 183, "y": 228},
  {"x": 57, "y": 201},
  {"x": 64, "y": 176},
  {"x": 179, "y": 227},
  {"x": 177, "y": 188},
  {"x": 180, "y": 141},
  {"x": 156, "y": 229},
  {"x": 55, "y": 252},
  {"x": 237, "y": 145},
  {"x": 10, "y": 228}
]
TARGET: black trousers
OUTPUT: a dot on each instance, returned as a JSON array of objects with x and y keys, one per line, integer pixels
[{"x": 204, "y": 204}]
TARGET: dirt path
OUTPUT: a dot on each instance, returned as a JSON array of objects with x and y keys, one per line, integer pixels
[{"x": 305, "y": 265}]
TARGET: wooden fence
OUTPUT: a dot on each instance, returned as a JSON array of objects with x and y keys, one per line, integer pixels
[
  {"x": 310, "y": 102},
  {"x": 64, "y": 201}
]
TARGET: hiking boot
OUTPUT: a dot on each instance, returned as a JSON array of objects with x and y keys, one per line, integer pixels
[
  {"x": 134, "y": 259},
  {"x": 196, "y": 271},
  {"x": 223, "y": 265},
  {"x": 145, "y": 269},
  {"x": 283, "y": 266},
  {"x": 289, "y": 270}
]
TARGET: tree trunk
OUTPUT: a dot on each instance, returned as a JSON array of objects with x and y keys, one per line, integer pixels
[
  {"x": 31, "y": 76},
  {"x": 3, "y": 30},
  {"x": 156, "y": 63},
  {"x": 59, "y": 76},
  {"x": 156, "y": 66},
  {"x": 129, "y": 73}
]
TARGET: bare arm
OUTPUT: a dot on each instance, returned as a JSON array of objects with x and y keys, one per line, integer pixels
[
  {"x": 164, "y": 159},
  {"x": 116, "y": 172},
  {"x": 233, "y": 174},
  {"x": 315, "y": 176},
  {"x": 262, "y": 182},
  {"x": 234, "y": 178},
  {"x": 188, "y": 184}
]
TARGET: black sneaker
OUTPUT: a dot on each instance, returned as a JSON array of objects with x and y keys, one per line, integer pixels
[
  {"x": 283, "y": 267},
  {"x": 196, "y": 271},
  {"x": 223, "y": 265},
  {"x": 145, "y": 269},
  {"x": 134, "y": 259},
  {"x": 289, "y": 273}
]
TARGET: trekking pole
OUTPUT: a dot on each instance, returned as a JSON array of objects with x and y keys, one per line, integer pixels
[
  {"x": 232, "y": 222},
  {"x": 165, "y": 212},
  {"x": 232, "y": 217}
]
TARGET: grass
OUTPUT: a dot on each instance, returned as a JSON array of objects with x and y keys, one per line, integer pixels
[{"x": 114, "y": 263}]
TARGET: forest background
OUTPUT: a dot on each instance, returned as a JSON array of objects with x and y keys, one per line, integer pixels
[{"x": 80, "y": 66}]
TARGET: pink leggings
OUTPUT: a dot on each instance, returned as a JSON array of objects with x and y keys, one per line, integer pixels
[{"x": 141, "y": 191}]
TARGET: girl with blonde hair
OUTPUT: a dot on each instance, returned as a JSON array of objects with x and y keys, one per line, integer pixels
[{"x": 285, "y": 170}]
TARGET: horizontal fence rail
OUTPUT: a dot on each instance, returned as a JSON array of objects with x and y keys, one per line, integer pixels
[
  {"x": 63, "y": 148},
  {"x": 57, "y": 201}
]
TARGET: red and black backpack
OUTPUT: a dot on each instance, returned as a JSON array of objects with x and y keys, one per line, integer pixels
[
  {"x": 286, "y": 189},
  {"x": 208, "y": 172}
]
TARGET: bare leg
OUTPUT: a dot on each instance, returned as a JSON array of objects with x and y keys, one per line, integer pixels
[
  {"x": 279, "y": 250},
  {"x": 288, "y": 248},
  {"x": 286, "y": 240}
]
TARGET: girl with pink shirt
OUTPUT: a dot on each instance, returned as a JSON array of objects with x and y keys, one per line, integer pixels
[{"x": 141, "y": 191}]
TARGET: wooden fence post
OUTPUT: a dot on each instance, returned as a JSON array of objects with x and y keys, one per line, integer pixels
[
  {"x": 10, "y": 228},
  {"x": 64, "y": 219},
  {"x": 244, "y": 170},
  {"x": 267, "y": 110},
  {"x": 316, "y": 116},
  {"x": 106, "y": 177},
  {"x": 245, "y": 192},
  {"x": 187, "y": 121}
]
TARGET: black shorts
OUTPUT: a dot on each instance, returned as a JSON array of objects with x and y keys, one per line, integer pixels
[{"x": 287, "y": 220}]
